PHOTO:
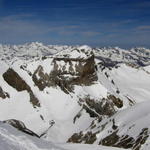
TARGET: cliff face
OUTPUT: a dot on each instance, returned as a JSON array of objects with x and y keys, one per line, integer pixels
[
  {"x": 67, "y": 72},
  {"x": 14, "y": 80}
]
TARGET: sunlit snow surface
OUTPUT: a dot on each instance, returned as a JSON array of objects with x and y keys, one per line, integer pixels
[{"x": 133, "y": 83}]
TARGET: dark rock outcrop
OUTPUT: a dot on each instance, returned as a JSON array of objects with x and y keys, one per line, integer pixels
[
  {"x": 3, "y": 94},
  {"x": 89, "y": 138},
  {"x": 20, "y": 126},
  {"x": 116, "y": 101},
  {"x": 114, "y": 140},
  {"x": 125, "y": 141},
  {"x": 113, "y": 137},
  {"x": 96, "y": 108},
  {"x": 79, "y": 72},
  {"x": 14, "y": 80}
]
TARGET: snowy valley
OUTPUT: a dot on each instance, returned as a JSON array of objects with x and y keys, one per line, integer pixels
[{"x": 74, "y": 97}]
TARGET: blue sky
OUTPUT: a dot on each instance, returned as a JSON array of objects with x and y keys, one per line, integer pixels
[{"x": 124, "y": 23}]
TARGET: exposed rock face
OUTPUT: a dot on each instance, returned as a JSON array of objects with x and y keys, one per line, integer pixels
[
  {"x": 96, "y": 108},
  {"x": 126, "y": 141},
  {"x": 3, "y": 94},
  {"x": 89, "y": 138},
  {"x": 14, "y": 80},
  {"x": 43, "y": 80},
  {"x": 114, "y": 135},
  {"x": 115, "y": 100},
  {"x": 67, "y": 72},
  {"x": 20, "y": 126},
  {"x": 114, "y": 139}
]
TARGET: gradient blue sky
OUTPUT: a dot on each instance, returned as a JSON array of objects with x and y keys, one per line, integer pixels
[{"x": 125, "y": 23}]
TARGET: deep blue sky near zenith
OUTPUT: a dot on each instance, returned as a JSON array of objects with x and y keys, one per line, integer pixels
[{"x": 125, "y": 23}]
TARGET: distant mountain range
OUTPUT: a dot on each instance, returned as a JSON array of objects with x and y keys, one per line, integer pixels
[{"x": 138, "y": 55}]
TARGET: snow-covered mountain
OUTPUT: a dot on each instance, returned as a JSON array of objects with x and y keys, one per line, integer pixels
[
  {"x": 138, "y": 55},
  {"x": 76, "y": 94}
]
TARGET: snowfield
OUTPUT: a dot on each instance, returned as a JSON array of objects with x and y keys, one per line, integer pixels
[{"x": 97, "y": 98}]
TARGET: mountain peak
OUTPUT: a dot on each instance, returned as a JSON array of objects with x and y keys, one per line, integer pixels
[{"x": 85, "y": 47}]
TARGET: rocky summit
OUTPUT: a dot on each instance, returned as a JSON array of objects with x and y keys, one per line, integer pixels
[{"x": 74, "y": 94}]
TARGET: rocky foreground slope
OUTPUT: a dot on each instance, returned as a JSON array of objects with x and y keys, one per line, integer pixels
[
  {"x": 77, "y": 94},
  {"x": 12, "y": 139}
]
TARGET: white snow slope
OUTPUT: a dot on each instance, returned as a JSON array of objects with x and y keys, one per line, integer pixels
[{"x": 126, "y": 80}]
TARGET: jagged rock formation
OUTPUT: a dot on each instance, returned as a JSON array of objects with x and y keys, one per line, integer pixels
[
  {"x": 126, "y": 141},
  {"x": 118, "y": 131},
  {"x": 73, "y": 71},
  {"x": 96, "y": 108}
]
